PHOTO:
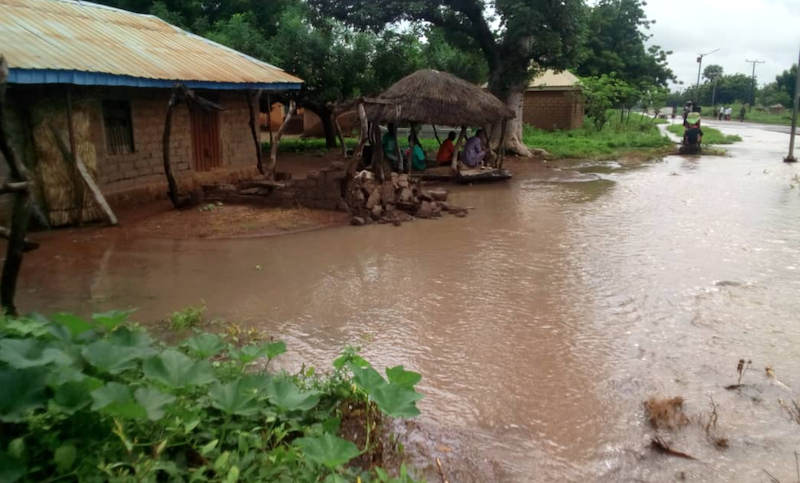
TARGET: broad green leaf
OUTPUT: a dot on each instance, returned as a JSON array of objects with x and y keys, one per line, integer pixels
[
  {"x": 367, "y": 378},
  {"x": 11, "y": 469},
  {"x": 25, "y": 353},
  {"x": 331, "y": 425},
  {"x": 233, "y": 475},
  {"x": 22, "y": 390},
  {"x": 134, "y": 339},
  {"x": 177, "y": 370},
  {"x": 234, "y": 398},
  {"x": 153, "y": 401},
  {"x": 247, "y": 354},
  {"x": 65, "y": 457},
  {"x": 115, "y": 399},
  {"x": 204, "y": 345},
  {"x": 25, "y": 327},
  {"x": 59, "y": 375},
  {"x": 76, "y": 325},
  {"x": 16, "y": 448},
  {"x": 284, "y": 394},
  {"x": 396, "y": 401},
  {"x": 328, "y": 450},
  {"x": 335, "y": 478},
  {"x": 73, "y": 396},
  {"x": 110, "y": 320},
  {"x": 274, "y": 349},
  {"x": 110, "y": 357},
  {"x": 209, "y": 447},
  {"x": 398, "y": 375}
]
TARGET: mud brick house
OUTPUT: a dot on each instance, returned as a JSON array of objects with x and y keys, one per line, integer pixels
[
  {"x": 111, "y": 72},
  {"x": 553, "y": 101}
]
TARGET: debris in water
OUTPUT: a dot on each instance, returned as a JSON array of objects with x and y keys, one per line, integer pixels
[
  {"x": 742, "y": 369},
  {"x": 658, "y": 444},
  {"x": 666, "y": 413},
  {"x": 440, "y": 469},
  {"x": 771, "y": 374}
]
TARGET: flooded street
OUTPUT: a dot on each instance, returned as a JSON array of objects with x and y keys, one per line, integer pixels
[{"x": 540, "y": 323}]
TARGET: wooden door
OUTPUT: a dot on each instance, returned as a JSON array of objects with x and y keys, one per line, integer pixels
[{"x": 206, "y": 147}]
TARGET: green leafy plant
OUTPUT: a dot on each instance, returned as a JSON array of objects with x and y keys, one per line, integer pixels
[
  {"x": 101, "y": 400},
  {"x": 187, "y": 318}
]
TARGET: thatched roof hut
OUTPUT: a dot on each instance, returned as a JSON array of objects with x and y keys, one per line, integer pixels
[{"x": 433, "y": 97}]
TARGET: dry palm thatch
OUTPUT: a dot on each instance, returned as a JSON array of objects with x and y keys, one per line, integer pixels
[{"x": 433, "y": 97}]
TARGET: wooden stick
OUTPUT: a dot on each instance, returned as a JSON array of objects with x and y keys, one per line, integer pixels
[
  {"x": 269, "y": 119},
  {"x": 80, "y": 200},
  {"x": 338, "y": 128},
  {"x": 440, "y": 470},
  {"x": 362, "y": 140},
  {"x": 253, "y": 100},
  {"x": 454, "y": 161},
  {"x": 502, "y": 145},
  {"x": 411, "y": 146},
  {"x": 437, "y": 135},
  {"x": 14, "y": 187},
  {"x": 273, "y": 154},
  {"x": 86, "y": 178},
  {"x": 377, "y": 154},
  {"x": 22, "y": 207},
  {"x": 172, "y": 190},
  {"x": 27, "y": 246}
]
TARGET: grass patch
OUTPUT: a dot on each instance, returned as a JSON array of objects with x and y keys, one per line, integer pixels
[
  {"x": 637, "y": 135},
  {"x": 761, "y": 117},
  {"x": 710, "y": 135},
  {"x": 187, "y": 318},
  {"x": 102, "y": 400}
]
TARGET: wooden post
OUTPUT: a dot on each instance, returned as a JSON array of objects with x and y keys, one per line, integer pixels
[
  {"x": 437, "y": 135},
  {"x": 172, "y": 191},
  {"x": 362, "y": 140},
  {"x": 411, "y": 148},
  {"x": 335, "y": 119},
  {"x": 254, "y": 103},
  {"x": 269, "y": 119},
  {"x": 22, "y": 207},
  {"x": 85, "y": 177},
  {"x": 377, "y": 154},
  {"x": 273, "y": 152},
  {"x": 76, "y": 179},
  {"x": 502, "y": 145},
  {"x": 454, "y": 161}
]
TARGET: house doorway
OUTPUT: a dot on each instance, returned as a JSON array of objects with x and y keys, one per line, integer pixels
[{"x": 206, "y": 146}]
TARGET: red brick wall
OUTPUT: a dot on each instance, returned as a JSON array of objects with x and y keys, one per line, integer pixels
[{"x": 553, "y": 110}]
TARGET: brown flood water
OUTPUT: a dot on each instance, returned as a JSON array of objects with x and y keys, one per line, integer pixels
[{"x": 540, "y": 323}]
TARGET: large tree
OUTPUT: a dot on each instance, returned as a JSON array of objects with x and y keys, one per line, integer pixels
[
  {"x": 516, "y": 37},
  {"x": 788, "y": 81}
]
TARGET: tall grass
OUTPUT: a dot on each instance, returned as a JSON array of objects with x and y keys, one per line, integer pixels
[{"x": 710, "y": 135}]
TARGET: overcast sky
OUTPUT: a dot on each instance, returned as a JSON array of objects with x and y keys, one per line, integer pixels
[{"x": 766, "y": 30}]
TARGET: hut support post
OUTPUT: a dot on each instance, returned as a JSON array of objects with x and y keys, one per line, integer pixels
[
  {"x": 454, "y": 161},
  {"x": 22, "y": 208},
  {"x": 76, "y": 177},
  {"x": 338, "y": 127},
  {"x": 254, "y": 103},
  {"x": 85, "y": 177},
  {"x": 502, "y": 145},
  {"x": 362, "y": 140},
  {"x": 269, "y": 119},
  {"x": 377, "y": 153},
  {"x": 489, "y": 138},
  {"x": 411, "y": 146},
  {"x": 172, "y": 191},
  {"x": 435, "y": 133},
  {"x": 273, "y": 152}
]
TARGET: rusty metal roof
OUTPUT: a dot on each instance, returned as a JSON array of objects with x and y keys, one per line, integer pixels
[
  {"x": 65, "y": 41},
  {"x": 553, "y": 81}
]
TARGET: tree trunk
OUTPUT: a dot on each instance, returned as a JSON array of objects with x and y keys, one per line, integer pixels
[
  {"x": 330, "y": 131},
  {"x": 273, "y": 153},
  {"x": 254, "y": 105},
  {"x": 362, "y": 140},
  {"x": 514, "y": 97},
  {"x": 172, "y": 191},
  {"x": 335, "y": 120}
]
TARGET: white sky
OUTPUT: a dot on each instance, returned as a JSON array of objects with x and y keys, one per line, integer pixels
[{"x": 766, "y": 30}]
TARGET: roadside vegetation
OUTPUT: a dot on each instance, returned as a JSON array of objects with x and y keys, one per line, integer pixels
[
  {"x": 101, "y": 400},
  {"x": 754, "y": 115},
  {"x": 710, "y": 135},
  {"x": 637, "y": 134}
]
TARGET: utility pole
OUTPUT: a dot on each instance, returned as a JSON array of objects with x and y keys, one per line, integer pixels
[
  {"x": 699, "y": 69},
  {"x": 793, "y": 132},
  {"x": 753, "y": 87}
]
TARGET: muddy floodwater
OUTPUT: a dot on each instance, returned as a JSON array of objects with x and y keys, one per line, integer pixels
[{"x": 540, "y": 323}]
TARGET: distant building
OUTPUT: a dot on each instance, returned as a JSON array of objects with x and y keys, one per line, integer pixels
[
  {"x": 117, "y": 69},
  {"x": 554, "y": 101}
]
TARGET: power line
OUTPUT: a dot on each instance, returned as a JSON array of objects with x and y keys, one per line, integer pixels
[{"x": 753, "y": 87}]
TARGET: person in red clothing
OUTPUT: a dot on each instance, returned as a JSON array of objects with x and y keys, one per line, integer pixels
[{"x": 445, "y": 155}]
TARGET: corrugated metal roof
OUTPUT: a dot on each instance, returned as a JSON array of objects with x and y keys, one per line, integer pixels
[
  {"x": 65, "y": 41},
  {"x": 550, "y": 80}
]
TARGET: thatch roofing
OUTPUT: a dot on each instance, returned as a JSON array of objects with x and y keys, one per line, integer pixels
[{"x": 433, "y": 97}]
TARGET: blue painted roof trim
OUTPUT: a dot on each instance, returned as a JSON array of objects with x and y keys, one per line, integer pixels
[{"x": 76, "y": 77}]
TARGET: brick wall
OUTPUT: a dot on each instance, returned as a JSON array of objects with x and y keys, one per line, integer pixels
[{"x": 553, "y": 110}]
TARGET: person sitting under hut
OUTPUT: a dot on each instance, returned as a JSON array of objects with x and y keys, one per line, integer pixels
[
  {"x": 693, "y": 135},
  {"x": 474, "y": 153},
  {"x": 445, "y": 155},
  {"x": 390, "y": 147},
  {"x": 418, "y": 158}
]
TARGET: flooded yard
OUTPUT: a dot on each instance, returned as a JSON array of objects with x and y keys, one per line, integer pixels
[{"x": 540, "y": 323}]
